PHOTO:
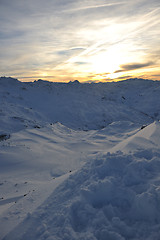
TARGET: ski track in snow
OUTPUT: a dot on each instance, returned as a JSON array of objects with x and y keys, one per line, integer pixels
[{"x": 81, "y": 162}]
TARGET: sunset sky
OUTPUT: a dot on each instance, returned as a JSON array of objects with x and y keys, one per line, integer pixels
[{"x": 88, "y": 40}]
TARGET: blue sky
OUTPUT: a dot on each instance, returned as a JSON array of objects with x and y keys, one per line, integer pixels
[{"x": 63, "y": 40}]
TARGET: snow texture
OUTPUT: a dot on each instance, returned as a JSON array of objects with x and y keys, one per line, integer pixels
[{"x": 79, "y": 161}]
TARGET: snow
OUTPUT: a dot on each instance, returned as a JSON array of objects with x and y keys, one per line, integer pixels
[{"x": 79, "y": 161}]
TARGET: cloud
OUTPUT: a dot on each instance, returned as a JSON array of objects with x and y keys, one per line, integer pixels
[
  {"x": 156, "y": 75},
  {"x": 95, "y": 6},
  {"x": 133, "y": 66},
  {"x": 124, "y": 77},
  {"x": 102, "y": 75},
  {"x": 77, "y": 48},
  {"x": 71, "y": 51},
  {"x": 81, "y": 63}
]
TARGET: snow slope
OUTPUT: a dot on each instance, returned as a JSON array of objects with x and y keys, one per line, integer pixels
[
  {"x": 79, "y": 161},
  {"x": 83, "y": 106}
]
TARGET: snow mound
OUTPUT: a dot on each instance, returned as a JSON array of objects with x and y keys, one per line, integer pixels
[
  {"x": 148, "y": 136},
  {"x": 114, "y": 197}
]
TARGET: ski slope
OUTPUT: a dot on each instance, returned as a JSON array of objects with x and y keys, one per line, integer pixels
[{"x": 79, "y": 161}]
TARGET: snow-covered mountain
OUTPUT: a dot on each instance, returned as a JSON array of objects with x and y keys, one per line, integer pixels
[
  {"x": 78, "y": 106},
  {"x": 79, "y": 161}
]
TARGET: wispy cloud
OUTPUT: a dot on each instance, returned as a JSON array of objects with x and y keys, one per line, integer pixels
[
  {"x": 94, "y": 6},
  {"x": 140, "y": 30},
  {"x": 133, "y": 66},
  {"x": 124, "y": 77}
]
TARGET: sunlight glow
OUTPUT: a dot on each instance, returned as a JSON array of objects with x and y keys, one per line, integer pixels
[
  {"x": 106, "y": 62},
  {"x": 109, "y": 61},
  {"x": 44, "y": 74}
]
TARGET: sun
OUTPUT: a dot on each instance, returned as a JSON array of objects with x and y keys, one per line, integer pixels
[{"x": 107, "y": 61}]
